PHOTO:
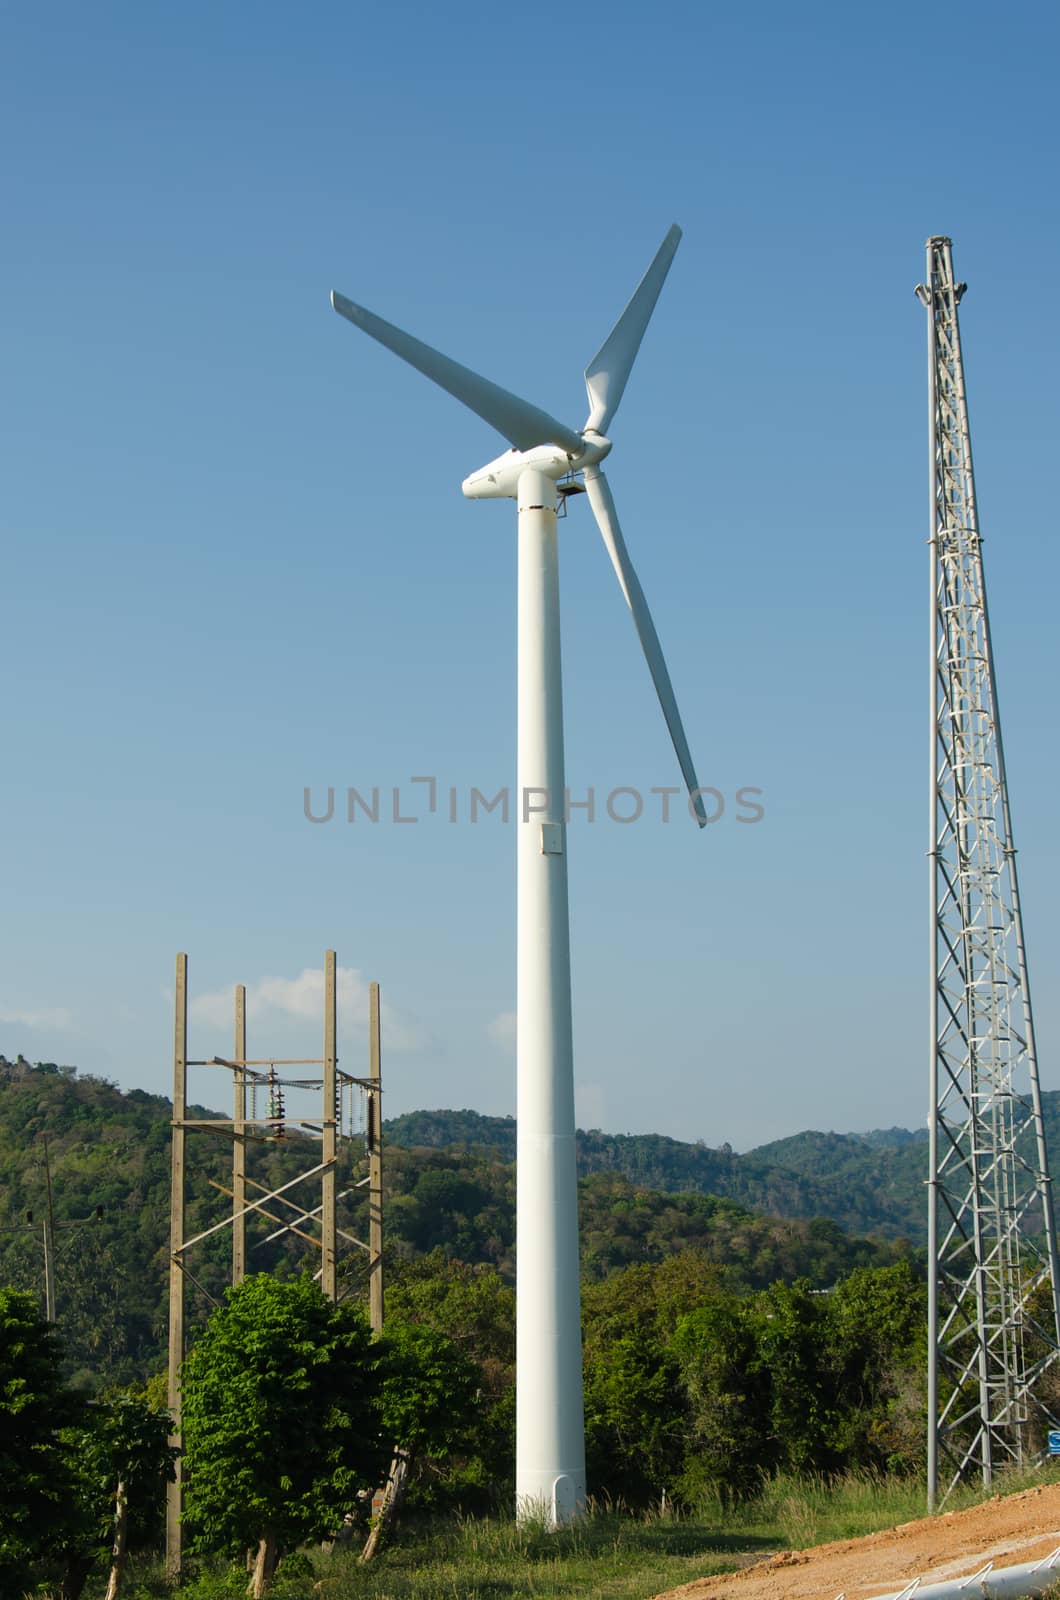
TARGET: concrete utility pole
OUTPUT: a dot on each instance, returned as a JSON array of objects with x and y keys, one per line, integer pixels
[
  {"x": 175, "y": 1490},
  {"x": 49, "y": 1272},
  {"x": 239, "y": 1141},
  {"x": 374, "y": 1144},
  {"x": 992, "y": 1259},
  {"x": 329, "y": 1142}
]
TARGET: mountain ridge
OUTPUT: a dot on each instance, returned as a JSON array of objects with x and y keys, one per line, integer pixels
[
  {"x": 642, "y": 1199},
  {"x": 870, "y": 1185}
]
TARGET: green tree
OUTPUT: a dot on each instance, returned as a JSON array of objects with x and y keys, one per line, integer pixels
[
  {"x": 636, "y": 1415},
  {"x": 281, "y": 1420},
  {"x": 650, "y": 1298},
  {"x": 877, "y": 1339},
  {"x": 792, "y": 1346},
  {"x": 634, "y": 1419},
  {"x": 474, "y": 1309},
  {"x": 426, "y": 1396},
  {"x": 728, "y": 1389},
  {"x": 121, "y": 1461},
  {"x": 428, "y": 1389},
  {"x": 35, "y": 1480}
]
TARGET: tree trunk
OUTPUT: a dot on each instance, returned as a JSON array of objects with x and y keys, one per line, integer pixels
[
  {"x": 121, "y": 1535},
  {"x": 393, "y": 1495},
  {"x": 74, "y": 1577},
  {"x": 264, "y": 1565}
]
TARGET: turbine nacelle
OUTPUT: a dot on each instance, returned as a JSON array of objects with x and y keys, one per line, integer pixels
[{"x": 499, "y": 479}]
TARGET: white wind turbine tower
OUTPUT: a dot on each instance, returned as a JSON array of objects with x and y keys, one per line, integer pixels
[{"x": 547, "y": 461}]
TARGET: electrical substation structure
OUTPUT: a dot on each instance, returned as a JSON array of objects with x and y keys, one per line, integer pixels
[
  {"x": 264, "y": 1084},
  {"x": 994, "y": 1328}
]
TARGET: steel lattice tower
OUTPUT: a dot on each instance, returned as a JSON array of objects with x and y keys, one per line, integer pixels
[{"x": 993, "y": 1316}]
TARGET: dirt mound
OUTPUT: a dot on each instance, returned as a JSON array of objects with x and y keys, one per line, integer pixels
[{"x": 1020, "y": 1527}]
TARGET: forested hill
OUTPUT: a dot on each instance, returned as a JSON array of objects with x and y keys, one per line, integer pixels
[
  {"x": 869, "y": 1183},
  {"x": 110, "y": 1150}
]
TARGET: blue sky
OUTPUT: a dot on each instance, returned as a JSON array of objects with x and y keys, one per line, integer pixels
[{"x": 237, "y": 561}]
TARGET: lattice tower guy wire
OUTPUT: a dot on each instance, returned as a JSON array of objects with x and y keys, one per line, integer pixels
[{"x": 994, "y": 1326}]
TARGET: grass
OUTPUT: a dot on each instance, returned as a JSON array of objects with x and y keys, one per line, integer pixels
[{"x": 612, "y": 1555}]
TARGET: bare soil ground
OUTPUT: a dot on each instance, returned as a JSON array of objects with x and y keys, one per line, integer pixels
[{"x": 1021, "y": 1527}]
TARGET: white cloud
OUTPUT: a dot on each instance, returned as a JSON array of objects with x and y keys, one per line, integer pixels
[
  {"x": 302, "y": 998},
  {"x": 46, "y": 1017},
  {"x": 502, "y": 1031}
]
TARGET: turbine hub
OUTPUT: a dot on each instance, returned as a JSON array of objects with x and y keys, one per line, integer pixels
[{"x": 595, "y": 446}]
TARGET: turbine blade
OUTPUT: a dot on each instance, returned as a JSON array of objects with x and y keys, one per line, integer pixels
[
  {"x": 607, "y": 372},
  {"x": 603, "y": 505},
  {"x": 517, "y": 420}
]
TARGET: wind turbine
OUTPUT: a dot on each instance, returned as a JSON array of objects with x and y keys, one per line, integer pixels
[{"x": 547, "y": 461}]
